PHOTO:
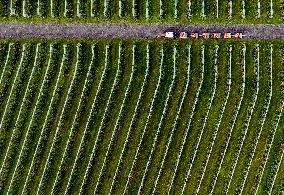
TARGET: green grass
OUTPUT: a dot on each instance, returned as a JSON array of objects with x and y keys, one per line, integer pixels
[
  {"x": 216, "y": 107},
  {"x": 37, "y": 121},
  {"x": 255, "y": 121},
  {"x": 96, "y": 72},
  {"x": 181, "y": 63},
  {"x": 227, "y": 118},
  {"x": 268, "y": 130},
  {"x": 198, "y": 118},
  {"x": 195, "y": 70},
  {"x": 56, "y": 107},
  {"x": 158, "y": 106},
  {"x": 239, "y": 128},
  {"x": 140, "y": 68},
  {"x": 97, "y": 116},
  {"x": 9, "y": 122},
  {"x": 110, "y": 120},
  {"x": 68, "y": 120},
  {"x": 111, "y": 14},
  {"x": 141, "y": 117},
  {"x": 136, "y": 128},
  {"x": 13, "y": 104},
  {"x": 26, "y": 112}
]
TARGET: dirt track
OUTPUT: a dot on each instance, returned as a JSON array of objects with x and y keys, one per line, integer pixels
[{"x": 105, "y": 30}]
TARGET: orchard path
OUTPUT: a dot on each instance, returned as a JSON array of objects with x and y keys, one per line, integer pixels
[{"x": 120, "y": 30}]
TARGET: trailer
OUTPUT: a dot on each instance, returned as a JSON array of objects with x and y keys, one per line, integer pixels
[
  {"x": 183, "y": 35},
  {"x": 194, "y": 35},
  {"x": 216, "y": 35},
  {"x": 239, "y": 35},
  {"x": 227, "y": 35},
  {"x": 205, "y": 35}
]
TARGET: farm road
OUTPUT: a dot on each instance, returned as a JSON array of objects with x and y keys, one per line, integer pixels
[{"x": 120, "y": 30}]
